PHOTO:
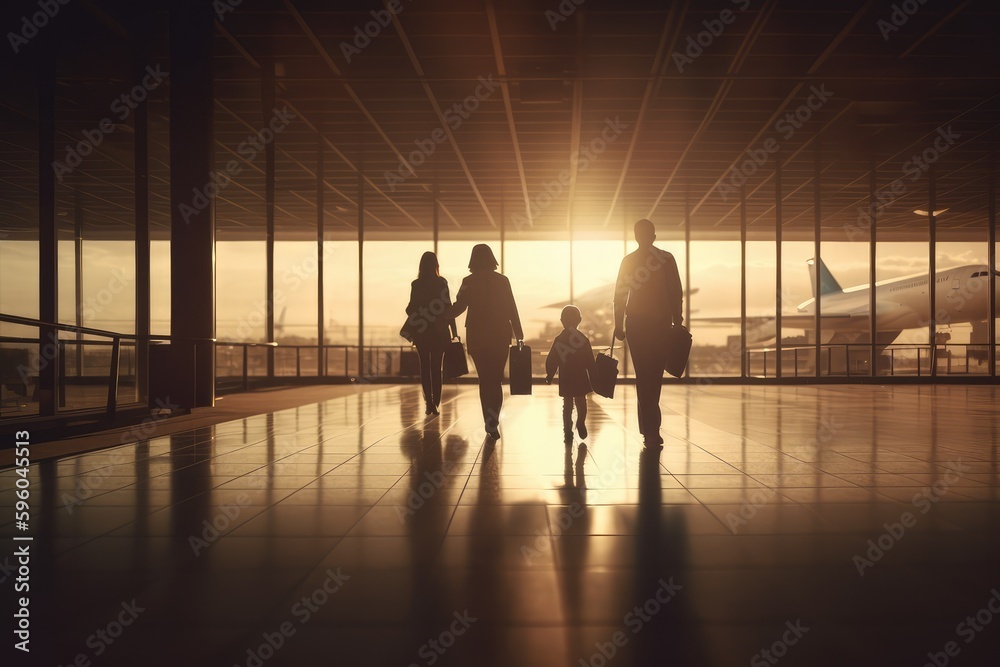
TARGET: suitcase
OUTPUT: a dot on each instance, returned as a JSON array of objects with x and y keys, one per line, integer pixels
[
  {"x": 455, "y": 362},
  {"x": 606, "y": 375},
  {"x": 520, "y": 370},
  {"x": 678, "y": 349}
]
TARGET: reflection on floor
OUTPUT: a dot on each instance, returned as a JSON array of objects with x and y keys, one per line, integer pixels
[{"x": 826, "y": 525}]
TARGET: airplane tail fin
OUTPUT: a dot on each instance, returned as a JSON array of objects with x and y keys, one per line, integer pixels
[{"x": 827, "y": 283}]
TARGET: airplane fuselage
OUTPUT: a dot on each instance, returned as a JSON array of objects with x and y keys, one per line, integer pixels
[{"x": 962, "y": 295}]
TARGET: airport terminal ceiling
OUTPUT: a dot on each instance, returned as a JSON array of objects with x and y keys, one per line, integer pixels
[{"x": 480, "y": 107}]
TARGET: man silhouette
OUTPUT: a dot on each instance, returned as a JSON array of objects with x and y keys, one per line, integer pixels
[{"x": 648, "y": 300}]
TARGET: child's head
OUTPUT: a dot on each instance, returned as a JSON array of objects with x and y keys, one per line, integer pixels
[{"x": 571, "y": 317}]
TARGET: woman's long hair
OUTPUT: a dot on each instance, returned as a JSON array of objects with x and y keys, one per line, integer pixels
[{"x": 429, "y": 267}]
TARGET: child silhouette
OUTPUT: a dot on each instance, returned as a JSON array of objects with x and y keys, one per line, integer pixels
[{"x": 572, "y": 356}]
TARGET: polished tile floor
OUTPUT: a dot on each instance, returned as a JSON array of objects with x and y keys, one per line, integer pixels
[{"x": 822, "y": 525}]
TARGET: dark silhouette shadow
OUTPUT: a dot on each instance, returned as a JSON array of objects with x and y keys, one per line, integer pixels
[
  {"x": 492, "y": 319},
  {"x": 662, "y": 592},
  {"x": 428, "y": 326},
  {"x": 648, "y": 300}
]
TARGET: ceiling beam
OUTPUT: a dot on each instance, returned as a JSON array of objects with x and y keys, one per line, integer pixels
[
  {"x": 415, "y": 62},
  {"x": 760, "y": 20},
  {"x": 325, "y": 57},
  {"x": 820, "y": 60},
  {"x": 934, "y": 28},
  {"x": 668, "y": 39},
  {"x": 491, "y": 18}
]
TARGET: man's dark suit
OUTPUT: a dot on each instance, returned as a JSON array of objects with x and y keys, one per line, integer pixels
[{"x": 648, "y": 300}]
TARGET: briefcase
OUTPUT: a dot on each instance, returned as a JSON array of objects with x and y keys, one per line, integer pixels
[
  {"x": 678, "y": 349},
  {"x": 455, "y": 362},
  {"x": 606, "y": 373},
  {"x": 409, "y": 363},
  {"x": 520, "y": 370}
]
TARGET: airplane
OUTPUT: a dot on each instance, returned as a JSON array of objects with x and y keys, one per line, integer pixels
[{"x": 962, "y": 295}]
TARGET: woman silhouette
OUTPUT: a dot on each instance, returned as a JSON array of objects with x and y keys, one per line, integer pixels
[
  {"x": 488, "y": 326},
  {"x": 429, "y": 299}
]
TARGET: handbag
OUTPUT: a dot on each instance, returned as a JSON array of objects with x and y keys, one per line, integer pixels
[
  {"x": 678, "y": 342},
  {"x": 606, "y": 373},
  {"x": 409, "y": 363},
  {"x": 455, "y": 362},
  {"x": 407, "y": 330}
]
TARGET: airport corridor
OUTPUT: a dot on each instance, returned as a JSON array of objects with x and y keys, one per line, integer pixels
[{"x": 777, "y": 524}]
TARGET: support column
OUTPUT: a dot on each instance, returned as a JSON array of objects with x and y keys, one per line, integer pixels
[
  {"x": 267, "y": 109},
  {"x": 142, "y": 249},
  {"x": 503, "y": 234},
  {"x": 435, "y": 194},
  {"x": 872, "y": 261},
  {"x": 817, "y": 254},
  {"x": 744, "y": 365},
  {"x": 320, "y": 234},
  {"x": 361, "y": 270},
  {"x": 932, "y": 265},
  {"x": 48, "y": 259},
  {"x": 78, "y": 275},
  {"x": 992, "y": 260},
  {"x": 779, "y": 297},
  {"x": 687, "y": 264},
  {"x": 192, "y": 219}
]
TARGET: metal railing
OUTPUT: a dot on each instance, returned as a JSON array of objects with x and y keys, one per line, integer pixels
[
  {"x": 23, "y": 359},
  {"x": 855, "y": 360},
  {"x": 238, "y": 363}
]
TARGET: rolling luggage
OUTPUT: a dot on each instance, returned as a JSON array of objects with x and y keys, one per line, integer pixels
[
  {"x": 520, "y": 370},
  {"x": 606, "y": 376}
]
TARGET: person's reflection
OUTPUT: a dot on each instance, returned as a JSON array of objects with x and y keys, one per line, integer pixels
[
  {"x": 572, "y": 543},
  {"x": 662, "y": 599},
  {"x": 426, "y": 511},
  {"x": 409, "y": 407},
  {"x": 486, "y": 587}
]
